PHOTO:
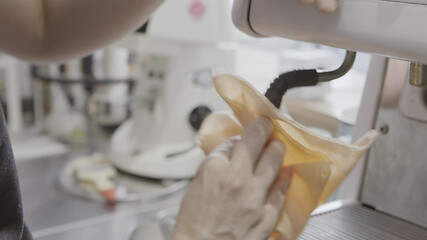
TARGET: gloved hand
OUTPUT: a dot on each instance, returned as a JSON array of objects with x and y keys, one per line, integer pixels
[
  {"x": 239, "y": 190},
  {"x": 326, "y": 6}
]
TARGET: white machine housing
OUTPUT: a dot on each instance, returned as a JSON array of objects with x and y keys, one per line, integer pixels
[
  {"x": 392, "y": 28},
  {"x": 182, "y": 49}
]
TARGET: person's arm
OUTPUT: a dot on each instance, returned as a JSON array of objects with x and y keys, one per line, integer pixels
[{"x": 56, "y": 30}]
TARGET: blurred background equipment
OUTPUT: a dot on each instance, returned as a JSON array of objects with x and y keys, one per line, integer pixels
[{"x": 180, "y": 53}]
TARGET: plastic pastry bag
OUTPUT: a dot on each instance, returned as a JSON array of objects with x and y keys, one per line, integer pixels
[{"x": 319, "y": 163}]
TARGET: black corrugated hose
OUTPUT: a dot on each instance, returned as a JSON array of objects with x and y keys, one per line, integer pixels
[
  {"x": 304, "y": 78},
  {"x": 285, "y": 81}
]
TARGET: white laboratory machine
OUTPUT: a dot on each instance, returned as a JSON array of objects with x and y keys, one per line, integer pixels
[
  {"x": 27, "y": 142},
  {"x": 184, "y": 43},
  {"x": 389, "y": 184}
]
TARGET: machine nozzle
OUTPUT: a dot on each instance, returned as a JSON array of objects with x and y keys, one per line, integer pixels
[{"x": 304, "y": 78}]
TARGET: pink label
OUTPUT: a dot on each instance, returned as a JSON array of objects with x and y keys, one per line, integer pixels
[{"x": 197, "y": 9}]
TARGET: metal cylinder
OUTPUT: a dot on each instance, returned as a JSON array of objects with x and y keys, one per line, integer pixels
[
  {"x": 418, "y": 75},
  {"x": 350, "y": 56}
]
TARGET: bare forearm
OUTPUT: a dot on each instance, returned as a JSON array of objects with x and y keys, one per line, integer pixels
[{"x": 55, "y": 30}]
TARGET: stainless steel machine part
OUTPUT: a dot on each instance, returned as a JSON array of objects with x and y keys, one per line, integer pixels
[
  {"x": 356, "y": 221},
  {"x": 350, "y": 187},
  {"x": 350, "y": 56},
  {"x": 395, "y": 180},
  {"x": 418, "y": 75}
]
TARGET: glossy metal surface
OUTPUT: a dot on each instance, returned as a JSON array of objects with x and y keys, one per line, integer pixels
[
  {"x": 341, "y": 71},
  {"x": 395, "y": 180},
  {"x": 51, "y": 213},
  {"x": 418, "y": 75},
  {"x": 356, "y": 221}
]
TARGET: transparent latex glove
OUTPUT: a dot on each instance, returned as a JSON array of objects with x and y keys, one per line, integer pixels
[
  {"x": 238, "y": 191},
  {"x": 326, "y": 6}
]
